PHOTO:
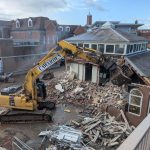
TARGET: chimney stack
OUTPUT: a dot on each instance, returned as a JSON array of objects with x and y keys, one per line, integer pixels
[{"x": 89, "y": 19}]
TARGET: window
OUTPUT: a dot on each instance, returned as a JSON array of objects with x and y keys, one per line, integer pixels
[
  {"x": 109, "y": 48},
  {"x": 135, "y": 101},
  {"x": 119, "y": 48},
  {"x": 128, "y": 49},
  {"x": 60, "y": 28},
  {"x": 131, "y": 48},
  {"x": 68, "y": 29},
  {"x": 101, "y": 48},
  {"x": 94, "y": 46},
  {"x": 86, "y": 45},
  {"x": 135, "y": 48},
  {"x": 17, "y": 24},
  {"x": 140, "y": 47},
  {"x": 80, "y": 44},
  {"x": 30, "y": 23}
]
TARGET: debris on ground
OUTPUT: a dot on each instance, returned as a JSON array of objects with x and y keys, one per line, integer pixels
[
  {"x": 6, "y": 78},
  {"x": 59, "y": 87},
  {"x": 48, "y": 75},
  {"x": 64, "y": 136},
  {"x": 83, "y": 93},
  {"x": 103, "y": 131},
  {"x": 11, "y": 89}
]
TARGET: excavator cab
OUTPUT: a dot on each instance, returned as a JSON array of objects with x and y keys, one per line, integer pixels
[{"x": 41, "y": 89}]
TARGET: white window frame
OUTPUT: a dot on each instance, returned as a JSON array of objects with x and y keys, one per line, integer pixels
[
  {"x": 101, "y": 44},
  {"x": 30, "y": 21},
  {"x": 86, "y": 43},
  {"x": 123, "y": 50},
  {"x": 94, "y": 44},
  {"x": 17, "y": 24},
  {"x": 67, "y": 29},
  {"x": 109, "y": 52},
  {"x": 134, "y": 104},
  {"x": 137, "y": 50},
  {"x": 60, "y": 28}
]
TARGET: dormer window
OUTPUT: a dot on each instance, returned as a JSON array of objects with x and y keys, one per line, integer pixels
[
  {"x": 60, "y": 28},
  {"x": 68, "y": 29},
  {"x": 30, "y": 23},
  {"x": 17, "y": 24}
]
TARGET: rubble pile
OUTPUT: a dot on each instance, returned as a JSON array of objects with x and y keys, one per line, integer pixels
[
  {"x": 83, "y": 93},
  {"x": 100, "y": 132},
  {"x": 105, "y": 131}
]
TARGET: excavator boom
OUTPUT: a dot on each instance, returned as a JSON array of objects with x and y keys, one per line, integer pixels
[{"x": 28, "y": 103}]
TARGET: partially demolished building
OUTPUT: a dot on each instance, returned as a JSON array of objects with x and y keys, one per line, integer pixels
[{"x": 132, "y": 69}]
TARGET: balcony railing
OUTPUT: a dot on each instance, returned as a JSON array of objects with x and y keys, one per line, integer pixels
[{"x": 139, "y": 139}]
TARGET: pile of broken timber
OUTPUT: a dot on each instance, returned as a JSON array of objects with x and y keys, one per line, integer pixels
[
  {"x": 83, "y": 93},
  {"x": 105, "y": 131}
]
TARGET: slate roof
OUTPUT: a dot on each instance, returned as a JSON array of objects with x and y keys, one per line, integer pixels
[
  {"x": 38, "y": 23},
  {"x": 140, "y": 63},
  {"x": 108, "y": 35}
]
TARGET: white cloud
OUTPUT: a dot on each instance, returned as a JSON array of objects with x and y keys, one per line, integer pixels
[
  {"x": 12, "y": 9},
  {"x": 21, "y": 8}
]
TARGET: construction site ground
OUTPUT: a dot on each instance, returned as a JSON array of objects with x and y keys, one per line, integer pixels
[{"x": 28, "y": 132}]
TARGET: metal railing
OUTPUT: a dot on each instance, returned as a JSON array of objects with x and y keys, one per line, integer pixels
[{"x": 139, "y": 139}]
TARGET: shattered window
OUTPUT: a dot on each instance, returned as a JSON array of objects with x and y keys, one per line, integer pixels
[
  {"x": 101, "y": 48},
  {"x": 109, "y": 48},
  {"x": 119, "y": 48},
  {"x": 135, "y": 101}
]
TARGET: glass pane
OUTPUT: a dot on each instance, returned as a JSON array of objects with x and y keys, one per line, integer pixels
[
  {"x": 119, "y": 48},
  {"x": 136, "y": 92},
  {"x": 94, "y": 46},
  {"x": 135, "y": 100},
  {"x": 109, "y": 48},
  {"x": 131, "y": 48},
  {"x": 128, "y": 49},
  {"x": 101, "y": 48},
  {"x": 134, "y": 109},
  {"x": 135, "y": 47},
  {"x": 80, "y": 44},
  {"x": 86, "y": 45}
]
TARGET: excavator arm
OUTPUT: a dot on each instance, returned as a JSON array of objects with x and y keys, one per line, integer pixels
[
  {"x": 27, "y": 104},
  {"x": 29, "y": 99}
]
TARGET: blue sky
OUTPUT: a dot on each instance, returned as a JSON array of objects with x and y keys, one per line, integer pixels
[{"x": 75, "y": 11}]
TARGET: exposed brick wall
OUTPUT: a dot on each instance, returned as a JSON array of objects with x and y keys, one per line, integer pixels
[{"x": 135, "y": 120}]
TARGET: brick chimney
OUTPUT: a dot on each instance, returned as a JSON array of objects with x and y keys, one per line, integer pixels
[{"x": 89, "y": 19}]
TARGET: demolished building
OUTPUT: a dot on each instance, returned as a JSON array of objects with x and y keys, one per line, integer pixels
[{"x": 132, "y": 68}]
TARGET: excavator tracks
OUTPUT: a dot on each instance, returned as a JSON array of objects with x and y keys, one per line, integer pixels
[
  {"x": 19, "y": 116},
  {"x": 24, "y": 116}
]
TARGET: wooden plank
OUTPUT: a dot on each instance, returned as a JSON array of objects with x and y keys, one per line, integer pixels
[
  {"x": 124, "y": 117},
  {"x": 96, "y": 137},
  {"x": 93, "y": 125}
]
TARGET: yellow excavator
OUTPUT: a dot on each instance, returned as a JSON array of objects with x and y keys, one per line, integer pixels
[{"x": 29, "y": 105}]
